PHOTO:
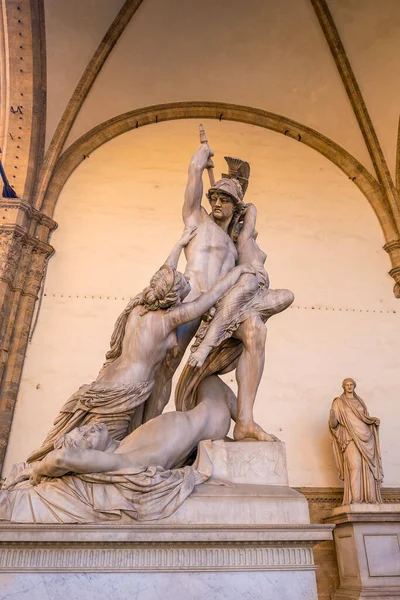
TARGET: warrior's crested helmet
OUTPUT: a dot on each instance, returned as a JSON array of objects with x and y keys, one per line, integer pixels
[{"x": 235, "y": 182}]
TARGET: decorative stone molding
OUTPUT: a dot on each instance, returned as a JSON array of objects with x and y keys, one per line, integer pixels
[
  {"x": 333, "y": 497},
  {"x": 158, "y": 547},
  {"x": 11, "y": 240},
  {"x": 395, "y": 274},
  {"x": 18, "y": 204},
  {"x": 151, "y": 558},
  {"x": 393, "y": 249},
  {"x": 393, "y": 246},
  {"x": 159, "y": 532},
  {"x": 391, "y": 495},
  {"x": 19, "y": 252}
]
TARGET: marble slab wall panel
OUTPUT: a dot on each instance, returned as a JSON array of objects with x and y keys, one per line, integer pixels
[
  {"x": 271, "y": 585},
  {"x": 148, "y": 561}
]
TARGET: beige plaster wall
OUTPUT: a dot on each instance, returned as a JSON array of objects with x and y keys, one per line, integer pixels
[
  {"x": 370, "y": 32},
  {"x": 119, "y": 215},
  {"x": 74, "y": 29}
]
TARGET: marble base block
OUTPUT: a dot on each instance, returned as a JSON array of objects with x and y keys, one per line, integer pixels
[
  {"x": 249, "y": 484},
  {"x": 252, "y": 463},
  {"x": 146, "y": 562},
  {"x": 367, "y": 540},
  {"x": 243, "y": 534}
]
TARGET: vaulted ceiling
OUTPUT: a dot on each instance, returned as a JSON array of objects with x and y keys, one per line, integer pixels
[{"x": 268, "y": 55}]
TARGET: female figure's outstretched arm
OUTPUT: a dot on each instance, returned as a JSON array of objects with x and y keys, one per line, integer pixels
[
  {"x": 188, "y": 234},
  {"x": 249, "y": 223}
]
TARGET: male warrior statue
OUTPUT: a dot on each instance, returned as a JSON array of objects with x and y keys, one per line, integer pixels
[{"x": 210, "y": 255}]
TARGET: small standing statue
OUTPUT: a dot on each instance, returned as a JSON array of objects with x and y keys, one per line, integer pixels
[{"x": 355, "y": 442}]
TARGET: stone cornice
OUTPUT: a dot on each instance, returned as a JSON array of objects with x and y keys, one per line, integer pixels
[
  {"x": 31, "y": 212},
  {"x": 392, "y": 246},
  {"x": 153, "y": 546},
  {"x": 22, "y": 235},
  {"x": 158, "y": 532},
  {"x": 334, "y": 496},
  {"x": 23, "y": 259}
]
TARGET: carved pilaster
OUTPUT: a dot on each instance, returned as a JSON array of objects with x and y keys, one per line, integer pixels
[
  {"x": 393, "y": 249},
  {"x": 11, "y": 240},
  {"x": 22, "y": 255},
  {"x": 37, "y": 266},
  {"x": 23, "y": 266},
  {"x": 24, "y": 252}
]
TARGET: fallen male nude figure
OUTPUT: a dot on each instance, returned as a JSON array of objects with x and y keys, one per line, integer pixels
[{"x": 91, "y": 477}]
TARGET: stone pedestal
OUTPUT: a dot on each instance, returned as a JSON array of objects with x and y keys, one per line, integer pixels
[
  {"x": 243, "y": 534},
  {"x": 249, "y": 485},
  {"x": 367, "y": 540}
]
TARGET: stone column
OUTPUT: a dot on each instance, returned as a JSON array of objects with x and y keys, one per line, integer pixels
[{"x": 24, "y": 252}]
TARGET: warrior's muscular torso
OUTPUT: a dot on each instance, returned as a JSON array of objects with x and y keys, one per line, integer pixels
[{"x": 210, "y": 256}]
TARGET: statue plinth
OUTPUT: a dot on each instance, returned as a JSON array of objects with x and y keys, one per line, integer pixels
[
  {"x": 245, "y": 533},
  {"x": 248, "y": 486},
  {"x": 367, "y": 547}
]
